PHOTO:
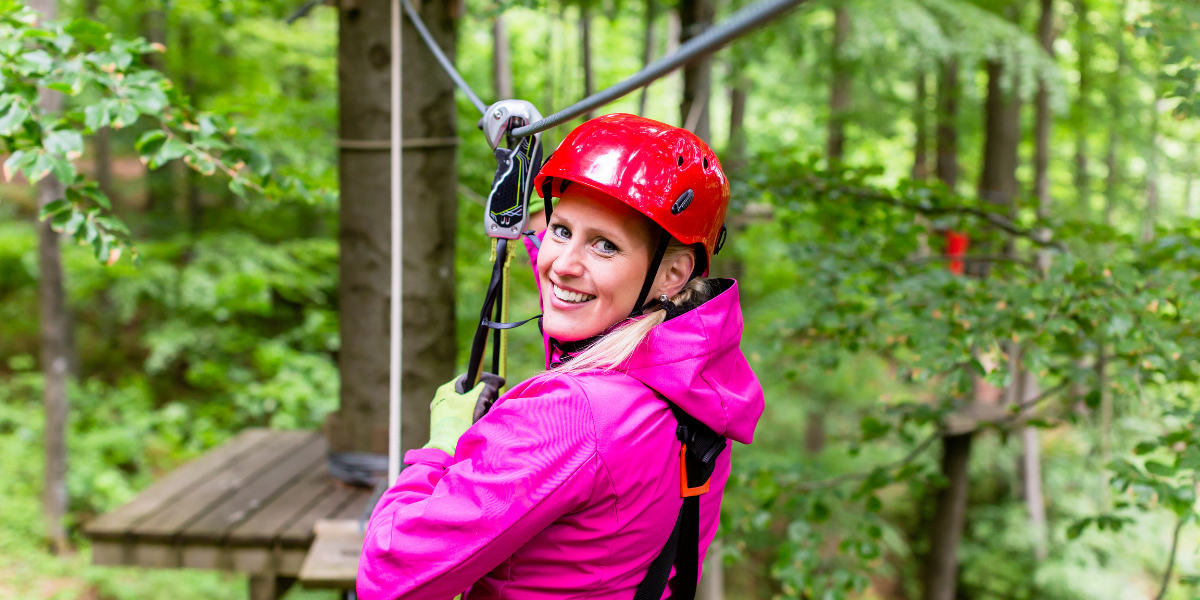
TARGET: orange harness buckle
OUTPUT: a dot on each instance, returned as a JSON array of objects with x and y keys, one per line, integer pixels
[{"x": 684, "y": 490}]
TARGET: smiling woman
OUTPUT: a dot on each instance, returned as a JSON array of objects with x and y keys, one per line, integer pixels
[{"x": 565, "y": 485}]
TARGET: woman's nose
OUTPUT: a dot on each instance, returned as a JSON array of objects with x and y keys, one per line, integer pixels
[{"x": 569, "y": 263}]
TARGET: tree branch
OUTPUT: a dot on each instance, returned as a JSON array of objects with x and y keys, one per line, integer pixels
[
  {"x": 810, "y": 486},
  {"x": 1166, "y": 580}
]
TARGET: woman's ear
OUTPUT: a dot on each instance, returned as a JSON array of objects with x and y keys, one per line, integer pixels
[{"x": 676, "y": 273}]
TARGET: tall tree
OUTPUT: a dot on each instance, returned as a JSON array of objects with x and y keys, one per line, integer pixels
[
  {"x": 997, "y": 186},
  {"x": 647, "y": 50},
  {"x": 502, "y": 75},
  {"x": 1082, "y": 107},
  {"x": 1150, "y": 215},
  {"x": 839, "y": 90},
  {"x": 159, "y": 182},
  {"x": 695, "y": 16},
  {"x": 948, "y": 92},
  {"x": 920, "y": 169},
  {"x": 364, "y": 59},
  {"x": 54, "y": 327},
  {"x": 739, "y": 87},
  {"x": 1027, "y": 382},
  {"x": 585, "y": 40}
]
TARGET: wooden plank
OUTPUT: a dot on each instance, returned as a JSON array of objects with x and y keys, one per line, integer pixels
[
  {"x": 265, "y": 525},
  {"x": 109, "y": 554},
  {"x": 257, "y": 494},
  {"x": 299, "y": 533},
  {"x": 166, "y": 523},
  {"x": 356, "y": 506},
  {"x": 332, "y": 562},
  {"x": 167, "y": 490}
]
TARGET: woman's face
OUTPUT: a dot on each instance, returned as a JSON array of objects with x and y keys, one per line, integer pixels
[{"x": 592, "y": 263}]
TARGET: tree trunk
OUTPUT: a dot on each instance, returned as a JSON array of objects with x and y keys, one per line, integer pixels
[
  {"x": 712, "y": 581},
  {"x": 1042, "y": 117},
  {"x": 1191, "y": 205},
  {"x": 1150, "y": 217},
  {"x": 695, "y": 16},
  {"x": 947, "y": 129},
  {"x": 1113, "y": 178},
  {"x": 647, "y": 50},
  {"x": 739, "y": 86},
  {"x": 194, "y": 207},
  {"x": 941, "y": 565},
  {"x": 160, "y": 185},
  {"x": 102, "y": 141},
  {"x": 839, "y": 92},
  {"x": 585, "y": 36},
  {"x": 1031, "y": 455},
  {"x": 54, "y": 328},
  {"x": 502, "y": 75},
  {"x": 1002, "y": 136},
  {"x": 1083, "y": 185},
  {"x": 364, "y": 233},
  {"x": 920, "y": 168}
]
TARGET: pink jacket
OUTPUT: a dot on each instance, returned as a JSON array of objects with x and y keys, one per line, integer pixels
[{"x": 569, "y": 487}]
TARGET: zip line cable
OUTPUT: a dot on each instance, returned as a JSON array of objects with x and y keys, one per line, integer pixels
[
  {"x": 441, "y": 56},
  {"x": 712, "y": 39}
]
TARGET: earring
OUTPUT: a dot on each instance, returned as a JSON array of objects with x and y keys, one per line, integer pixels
[{"x": 663, "y": 298}]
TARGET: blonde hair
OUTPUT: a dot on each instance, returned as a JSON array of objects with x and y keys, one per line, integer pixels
[{"x": 619, "y": 344}]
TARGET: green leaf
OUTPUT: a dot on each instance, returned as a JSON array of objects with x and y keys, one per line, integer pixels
[
  {"x": 88, "y": 32},
  {"x": 1076, "y": 529},
  {"x": 149, "y": 142},
  {"x": 13, "y": 119},
  {"x": 1160, "y": 469},
  {"x": 1092, "y": 399},
  {"x": 873, "y": 428},
  {"x": 96, "y": 115},
  {"x": 66, "y": 143},
  {"x": 55, "y": 207},
  {"x": 172, "y": 149},
  {"x": 1145, "y": 448}
]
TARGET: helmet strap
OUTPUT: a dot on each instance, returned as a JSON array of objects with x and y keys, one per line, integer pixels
[
  {"x": 547, "y": 193},
  {"x": 664, "y": 240}
]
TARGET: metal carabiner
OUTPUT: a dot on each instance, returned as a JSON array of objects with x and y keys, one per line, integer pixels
[{"x": 500, "y": 118}]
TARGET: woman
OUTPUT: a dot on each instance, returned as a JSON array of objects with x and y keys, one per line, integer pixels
[{"x": 569, "y": 486}]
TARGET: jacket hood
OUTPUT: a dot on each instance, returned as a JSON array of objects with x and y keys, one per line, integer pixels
[{"x": 695, "y": 361}]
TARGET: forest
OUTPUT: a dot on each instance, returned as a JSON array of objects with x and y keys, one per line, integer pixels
[{"x": 966, "y": 233}]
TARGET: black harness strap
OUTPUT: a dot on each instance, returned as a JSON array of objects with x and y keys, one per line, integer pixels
[{"x": 682, "y": 549}]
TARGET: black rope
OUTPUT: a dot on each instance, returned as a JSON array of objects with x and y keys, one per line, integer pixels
[{"x": 363, "y": 469}]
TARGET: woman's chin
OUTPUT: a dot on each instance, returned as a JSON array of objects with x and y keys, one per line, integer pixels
[{"x": 567, "y": 329}]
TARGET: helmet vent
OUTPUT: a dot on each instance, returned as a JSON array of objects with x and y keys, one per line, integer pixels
[
  {"x": 685, "y": 199},
  {"x": 680, "y": 160},
  {"x": 705, "y": 163}
]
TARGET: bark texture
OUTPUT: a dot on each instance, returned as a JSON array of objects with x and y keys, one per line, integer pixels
[
  {"x": 585, "y": 37},
  {"x": 695, "y": 16},
  {"x": 839, "y": 92},
  {"x": 502, "y": 75},
  {"x": 54, "y": 328},
  {"x": 1083, "y": 39},
  {"x": 947, "y": 127},
  {"x": 739, "y": 87},
  {"x": 941, "y": 565},
  {"x": 647, "y": 50},
  {"x": 364, "y": 59},
  {"x": 920, "y": 168}
]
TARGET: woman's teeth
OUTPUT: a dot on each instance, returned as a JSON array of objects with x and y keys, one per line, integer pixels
[{"x": 573, "y": 297}]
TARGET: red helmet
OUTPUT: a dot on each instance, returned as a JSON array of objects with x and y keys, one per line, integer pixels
[{"x": 663, "y": 172}]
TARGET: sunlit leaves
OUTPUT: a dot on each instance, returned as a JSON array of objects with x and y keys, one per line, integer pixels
[{"x": 83, "y": 55}]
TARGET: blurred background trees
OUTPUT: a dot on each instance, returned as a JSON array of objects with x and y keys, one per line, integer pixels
[{"x": 1018, "y": 421}]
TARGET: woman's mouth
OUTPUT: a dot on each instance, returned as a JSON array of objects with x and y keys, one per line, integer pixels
[{"x": 569, "y": 296}]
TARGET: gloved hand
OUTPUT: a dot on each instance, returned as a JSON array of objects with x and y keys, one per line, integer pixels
[{"x": 453, "y": 409}]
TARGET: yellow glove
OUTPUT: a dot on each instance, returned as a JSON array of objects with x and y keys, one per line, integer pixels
[{"x": 453, "y": 411}]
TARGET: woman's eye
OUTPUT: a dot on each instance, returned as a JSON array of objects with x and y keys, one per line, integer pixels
[
  {"x": 561, "y": 231},
  {"x": 606, "y": 246}
]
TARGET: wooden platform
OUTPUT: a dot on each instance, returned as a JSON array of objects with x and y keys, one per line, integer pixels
[{"x": 249, "y": 505}]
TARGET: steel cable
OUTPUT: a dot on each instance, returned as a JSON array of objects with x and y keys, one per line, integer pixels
[
  {"x": 441, "y": 56},
  {"x": 711, "y": 40}
]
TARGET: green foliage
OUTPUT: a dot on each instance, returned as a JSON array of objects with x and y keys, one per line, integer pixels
[{"x": 80, "y": 59}]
